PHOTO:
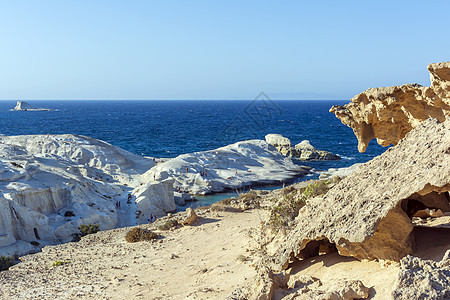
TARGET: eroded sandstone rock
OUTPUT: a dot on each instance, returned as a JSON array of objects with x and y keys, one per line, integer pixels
[
  {"x": 191, "y": 217},
  {"x": 423, "y": 279},
  {"x": 362, "y": 215},
  {"x": 389, "y": 113}
]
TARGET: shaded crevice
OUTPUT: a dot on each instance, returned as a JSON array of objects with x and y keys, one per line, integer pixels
[
  {"x": 316, "y": 248},
  {"x": 431, "y": 201}
]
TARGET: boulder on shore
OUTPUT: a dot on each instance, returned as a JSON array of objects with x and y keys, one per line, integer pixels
[
  {"x": 389, "y": 113},
  {"x": 302, "y": 151}
]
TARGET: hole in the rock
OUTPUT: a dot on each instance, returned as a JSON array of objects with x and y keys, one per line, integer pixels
[
  {"x": 432, "y": 201},
  {"x": 317, "y": 247},
  {"x": 413, "y": 206},
  {"x": 431, "y": 243}
]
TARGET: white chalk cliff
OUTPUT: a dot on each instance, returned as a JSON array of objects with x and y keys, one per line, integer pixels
[
  {"x": 244, "y": 163},
  {"x": 49, "y": 185}
]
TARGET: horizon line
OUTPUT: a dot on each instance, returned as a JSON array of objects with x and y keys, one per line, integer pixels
[{"x": 172, "y": 99}]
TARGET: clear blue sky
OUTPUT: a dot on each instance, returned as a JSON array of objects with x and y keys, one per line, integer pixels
[{"x": 216, "y": 49}]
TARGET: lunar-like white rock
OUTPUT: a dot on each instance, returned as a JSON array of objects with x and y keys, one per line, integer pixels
[
  {"x": 241, "y": 164},
  {"x": 50, "y": 185}
]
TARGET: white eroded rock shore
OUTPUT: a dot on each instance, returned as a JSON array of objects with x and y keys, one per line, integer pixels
[
  {"x": 212, "y": 259},
  {"x": 245, "y": 163},
  {"x": 52, "y": 184}
]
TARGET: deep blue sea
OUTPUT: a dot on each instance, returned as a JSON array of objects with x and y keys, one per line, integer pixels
[{"x": 170, "y": 128}]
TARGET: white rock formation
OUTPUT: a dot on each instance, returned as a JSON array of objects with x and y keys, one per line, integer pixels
[
  {"x": 182, "y": 198},
  {"x": 49, "y": 185},
  {"x": 305, "y": 151},
  {"x": 25, "y": 106},
  {"x": 302, "y": 151},
  {"x": 155, "y": 198},
  {"x": 278, "y": 140},
  {"x": 231, "y": 167}
]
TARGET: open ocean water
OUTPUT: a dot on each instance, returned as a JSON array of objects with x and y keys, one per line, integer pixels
[{"x": 171, "y": 128}]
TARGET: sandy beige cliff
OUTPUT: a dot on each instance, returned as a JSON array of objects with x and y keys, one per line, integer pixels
[{"x": 389, "y": 113}]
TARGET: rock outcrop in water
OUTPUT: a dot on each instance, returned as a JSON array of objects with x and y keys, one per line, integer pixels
[
  {"x": 302, "y": 151},
  {"x": 368, "y": 214},
  {"x": 245, "y": 163},
  {"x": 25, "y": 106},
  {"x": 389, "y": 113},
  {"x": 52, "y": 184}
]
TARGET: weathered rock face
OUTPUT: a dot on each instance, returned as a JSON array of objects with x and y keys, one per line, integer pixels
[
  {"x": 423, "y": 279},
  {"x": 362, "y": 215},
  {"x": 340, "y": 172},
  {"x": 389, "y": 113},
  {"x": 190, "y": 218},
  {"x": 155, "y": 198},
  {"x": 302, "y": 151},
  {"x": 311, "y": 288}
]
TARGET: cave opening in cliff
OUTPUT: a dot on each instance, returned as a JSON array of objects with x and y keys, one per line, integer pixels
[
  {"x": 430, "y": 215},
  {"x": 431, "y": 205},
  {"x": 316, "y": 248},
  {"x": 313, "y": 251}
]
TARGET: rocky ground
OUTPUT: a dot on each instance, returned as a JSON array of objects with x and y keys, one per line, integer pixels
[
  {"x": 204, "y": 261},
  {"x": 211, "y": 259}
]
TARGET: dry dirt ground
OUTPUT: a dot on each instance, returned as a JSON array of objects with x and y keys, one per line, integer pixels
[{"x": 205, "y": 261}]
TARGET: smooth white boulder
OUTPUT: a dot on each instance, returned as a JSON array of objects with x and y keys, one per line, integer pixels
[{"x": 241, "y": 164}]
